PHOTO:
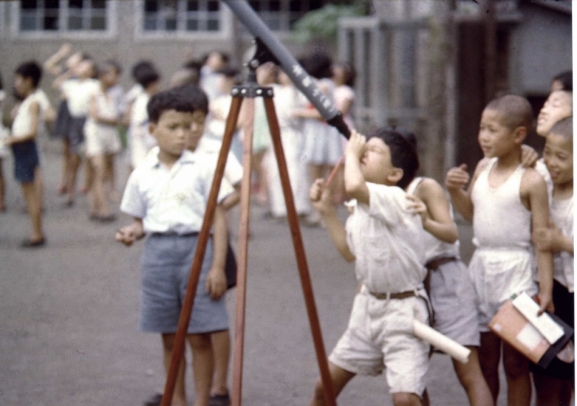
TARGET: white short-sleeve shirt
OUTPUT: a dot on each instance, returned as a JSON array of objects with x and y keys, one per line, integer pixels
[
  {"x": 387, "y": 241},
  {"x": 562, "y": 216},
  {"x": 170, "y": 200},
  {"x": 78, "y": 95}
]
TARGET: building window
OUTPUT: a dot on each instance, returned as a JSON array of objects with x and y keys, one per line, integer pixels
[
  {"x": 206, "y": 15},
  {"x": 63, "y": 15},
  {"x": 280, "y": 15},
  {"x": 182, "y": 15}
]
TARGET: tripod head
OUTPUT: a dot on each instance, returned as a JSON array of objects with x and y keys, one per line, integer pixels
[{"x": 269, "y": 49}]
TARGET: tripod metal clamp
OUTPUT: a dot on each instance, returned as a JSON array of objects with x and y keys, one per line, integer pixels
[{"x": 252, "y": 92}]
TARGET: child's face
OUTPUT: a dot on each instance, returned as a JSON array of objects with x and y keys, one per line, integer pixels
[
  {"x": 172, "y": 132},
  {"x": 376, "y": 163},
  {"x": 22, "y": 85},
  {"x": 557, "y": 107},
  {"x": 196, "y": 129},
  {"x": 110, "y": 77},
  {"x": 85, "y": 69},
  {"x": 558, "y": 156},
  {"x": 495, "y": 138}
]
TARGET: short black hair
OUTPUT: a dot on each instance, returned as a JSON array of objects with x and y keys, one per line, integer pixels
[
  {"x": 403, "y": 155},
  {"x": 515, "y": 111},
  {"x": 30, "y": 70},
  {"x": 408, "y": 134},
  {"x": 146, "y": 75},
  {"x": 566, "y": 80},
  {"x": 564, "y": 128},
  {"x": 105, "y": 67},
  {"x": 319, "y": 64},
  {"x": 195, "y": 96},
  {"x": 139, "y": 65},
  {"x": 168, "y": 100}
]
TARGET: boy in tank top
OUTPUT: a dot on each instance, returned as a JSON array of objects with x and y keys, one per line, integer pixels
[{"x": 504, "y": 201}]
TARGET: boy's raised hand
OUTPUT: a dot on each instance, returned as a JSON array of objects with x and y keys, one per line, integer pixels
[
  {"x": 417, "y": 206},
  {"x": 457, "y": 178},
  {"x": 529, "y": 156},
  {"x": 320, "y": 196},
  {"x": 356, "y": 145},
  {"x": 215, "y": 283}
]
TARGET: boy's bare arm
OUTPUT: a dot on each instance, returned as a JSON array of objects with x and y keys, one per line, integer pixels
[
  {"x": 455, "y": 182},
  {"x": 321, "y": 200},
  {"x": 216, "y": 279},
  {"x": 51, "y": 64},
  {"x": 355, "y": 184},
  {"x": 128, "y": 234},
  {"x": 430, "y": 202},
  {"x": 232, "y": 199},
  {"x": 534, "y": 192},
  {"x": 34, "y": 119}
]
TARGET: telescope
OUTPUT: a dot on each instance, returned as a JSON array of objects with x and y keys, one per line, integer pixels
[{"x": 276, "y": 52}]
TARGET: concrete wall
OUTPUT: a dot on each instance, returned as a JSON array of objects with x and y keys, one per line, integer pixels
[{"x": 540, "y": 49}]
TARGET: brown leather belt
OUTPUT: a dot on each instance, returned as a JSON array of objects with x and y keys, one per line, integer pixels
[
  {"x": 436, "y": 263},
  {"x": 400, "y": 295}
]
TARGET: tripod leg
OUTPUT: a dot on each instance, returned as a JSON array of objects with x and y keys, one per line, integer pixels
[
  {"x": 242, "y": 255},
  {"x": 203, "y": 237},
  {"x": 300, "y": 253}
]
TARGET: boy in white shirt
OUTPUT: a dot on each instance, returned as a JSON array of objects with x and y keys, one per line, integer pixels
[
  {"x": 505, "y": 201},
  {"x": 167, "y": 198},
  {"x": 25, "y": 129},
  {"x": 385, "y": 240},
  {"x": 554, "y": 385}
]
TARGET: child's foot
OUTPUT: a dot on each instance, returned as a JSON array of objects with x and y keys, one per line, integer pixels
[
  {"x": 61, "y": 190},
  {"x": 33, "y": 242},
  {"x": 84, "y": 190},
  {"x": 154, "y": 400},
  {"x": 219, "y": 400}
]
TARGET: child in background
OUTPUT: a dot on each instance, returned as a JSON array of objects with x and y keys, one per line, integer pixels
[
  {"x": 287, "y": 100},
  {"x": 102, "y": 139},
  {"x": 562, "y": 81},
  {"x": 25, "y": 129},
  {"x": 385, "y": 240},
  {"x": 450, "y": 288},
  {"x": 167, "y": 196},
  {"x": 78, "y": 93},
  {"x": 554, "y": 385},
  {"x": 4, "y": 151},
  {"x": 504, "y": 200},
  {"x": 140, "y": 141}
]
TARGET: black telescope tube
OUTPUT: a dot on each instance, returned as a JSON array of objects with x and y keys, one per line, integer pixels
[{"x": 302, "y": 80}]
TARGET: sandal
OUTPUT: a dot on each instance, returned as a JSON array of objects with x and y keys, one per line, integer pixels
[
  {"x": 219, "y": 400},
  {"x": 154, "y": 400},
  {"x": 28, "y": 243}
]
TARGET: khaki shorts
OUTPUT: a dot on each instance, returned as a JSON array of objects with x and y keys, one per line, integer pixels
[
  {"x": 379, "y": 335},
  {"x": 497, "y": 275}
]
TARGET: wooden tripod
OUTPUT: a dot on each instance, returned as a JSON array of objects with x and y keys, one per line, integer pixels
[{"x": 250, "y": 91}]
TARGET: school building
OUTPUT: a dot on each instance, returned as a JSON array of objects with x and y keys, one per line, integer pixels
[{"x": 411, "y": 69}]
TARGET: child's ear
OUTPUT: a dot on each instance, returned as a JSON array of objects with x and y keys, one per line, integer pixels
[
  {"x": 520, "y": 133},
  {"x": 151, "y": 128},
  {"x": 395, "y": 176}
]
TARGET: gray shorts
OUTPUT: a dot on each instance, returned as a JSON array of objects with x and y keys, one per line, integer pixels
[
  {"x": 165, "y": 267},
  {"x": 453, "y": 300}
]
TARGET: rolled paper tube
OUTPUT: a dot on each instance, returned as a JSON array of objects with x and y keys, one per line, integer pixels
[
  {"x": 441, "y": 342},
  {"x": 335, "y": 169}
]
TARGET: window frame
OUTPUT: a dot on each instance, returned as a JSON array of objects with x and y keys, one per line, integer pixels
[
  {"x": 141, "y": 35},
  {"x": 111, "y": 30}
]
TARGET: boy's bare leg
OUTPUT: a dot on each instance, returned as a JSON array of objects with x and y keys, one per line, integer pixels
[
  {"x": 99, "y": 201},
  {"x": 73, "y": 165},
  {"x": 2, "y": 189},
  {"x": 473, "y": 381},
  {"x": 88, "y": 177},
  {"x": 65, "y": 165},
  {"x": 339, "y": 377},
  {"x": 489, "y": 357},
  {"x": 202, "y": 366},
  {"x": 111, "y": 178},
  {"x": 518, "y": 377},
  {"x": 34, "y": 210},
  {"x": 179, "y": 397},
  {"x": 553, "y": 391},
  {"x": 406, "y": 399},
  {"x": 221, "y": 349},
  {"x": 39, "y": 184}
]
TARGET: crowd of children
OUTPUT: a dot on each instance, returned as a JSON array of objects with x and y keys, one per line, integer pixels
[{"x": 401, "y": 233}]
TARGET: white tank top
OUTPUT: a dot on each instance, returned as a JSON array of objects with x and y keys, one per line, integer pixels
[
  {"x": 500, "y": 220},
  {"x": 23, "y": 119},
  {"x": 435, "y": 248}
]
